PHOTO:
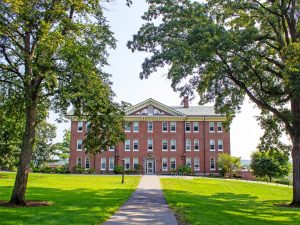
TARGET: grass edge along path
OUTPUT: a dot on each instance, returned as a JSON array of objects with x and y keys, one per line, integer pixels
[
  {"x": 216, "y": 201},
  {"x": 77, "y": 199}
]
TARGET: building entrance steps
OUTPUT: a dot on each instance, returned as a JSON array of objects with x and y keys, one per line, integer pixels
[{"x": 146, "y": 206}]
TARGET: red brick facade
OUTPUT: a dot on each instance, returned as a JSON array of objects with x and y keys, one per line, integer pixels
[{"x": 151, "y": 160}]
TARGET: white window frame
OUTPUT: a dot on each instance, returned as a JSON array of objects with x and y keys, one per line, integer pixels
[
  {"x": 196, "y": 162},
  {"x": 196, "y": 141},
  {"x": 111, "y": 148},
  {"x": 87, "y": 159},
  {"x": 172, "y": 160},
  {"x": 164, "y": 141},
  {"x": 211, "y": 125},
  {"x": 164, "y": 160},
  {"x": 150, "y": 124},
  {"x": 80, "y": 125},
  {"x": 136, "y": 125},
  {"x": 220, "y": 142},
  {"x": 162, "y": 127},
  {"x": 77, "y": 145},
  {"x": 127, "y": 162},
  {"x": 103, "y": 162},
  {"x": 127, "y": 143},
  {"x": 77, "y": 163},
  {"x": 111, "y": 161},
  {"x": 212, "y": 142},
  {"x": 136, "y": 141},
  {"x": 195, "y": 131},
  {"x": 171, "y": 125},
  {"x": 188, "y": 145},
  {"x": 135, "y": 161},
  {"x": 210, "y": 163},
  {"x": 188, "y": 162},
  {"x": 187, "y": 125},
  {"x": 87, "y": 126},
  {"x": 150, "y": 141},
  {"x": 219, "y": 125},
  {"x": 127, "y": 127},
  {"x": 173, "y": 140}
]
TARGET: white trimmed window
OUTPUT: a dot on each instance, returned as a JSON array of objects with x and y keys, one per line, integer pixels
[
  {"x": 111, "y": 165},
  {"x": 135, "y": 126},
  {"x": 173, "y": 163},
  {"x": 188, "y": 162},
  {"x": 111, "y": 148},
  {"x": 188, "y": 145},
  {"x": 196, "y": 164},
  {"x": 150, "y": 144},
  {"x": 196, "y": 127},
  {"x": 196, "y": 145},
  {"x": 88, "y": 125},
  {"x": 80, "y": 126},
  {"x": 212, "y": 145},
  {"x": 220, "y": 127},
  {"x": 212, "y": 163},
  {"x": 187, "y": 127},
  {"x": 79, "y": 161},
  {"x": 173, "y": 145},
  {"x": 103, "y": 163},
  {"x": 164, "y": 126},
  {"x": 135, "y": 163},
  {"x": 165, "y": 145},
  {"x": 220, "y": 145},
  {"x": 127, "y": 145},
  {"x": 173, "y": 126},
  {"x": 135, "y": 145},
  {"x": 164, "y": 164},
  {"x": 87, "y": 162},
  {"x": 127, "y": 127},
  {"x": 127, "y": 163},
  {"x": 79, "y": 145},
  {"x": 150, "y": 126},
  {"x": 211, "y": 127}
]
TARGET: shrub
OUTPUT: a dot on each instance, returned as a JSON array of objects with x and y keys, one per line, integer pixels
[
  {"x": 118, "y": 169},
  {"x": 185, "y": 170},
  {"x": 78, "y": 169},
  {"x": 36, "y": 170},
  {"x": 284, "y": 180},
  {"x": 91, "y": 171}
]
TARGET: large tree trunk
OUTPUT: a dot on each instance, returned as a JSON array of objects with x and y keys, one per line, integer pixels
[{"x": 18, "y": 194}]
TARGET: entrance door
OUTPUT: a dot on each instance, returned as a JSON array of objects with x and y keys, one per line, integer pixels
[{"x": 150, "y": 167}]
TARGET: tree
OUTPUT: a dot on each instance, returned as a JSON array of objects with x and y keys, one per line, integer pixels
[
  {"x": 271, "y": 163},
  {"x": 226, "y": 50},
  {"x": 228, "y": 164},
  {"x": 62, "y": 149},
  {"x": 51, "y": 54}
]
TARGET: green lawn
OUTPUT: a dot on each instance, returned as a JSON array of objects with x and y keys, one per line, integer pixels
[
  {"x": 78, "y": 199},
  {"x": 216, "y": 201}
]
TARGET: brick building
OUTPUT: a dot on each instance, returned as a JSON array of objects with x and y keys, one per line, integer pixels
[{"x": 160, "y": 138}]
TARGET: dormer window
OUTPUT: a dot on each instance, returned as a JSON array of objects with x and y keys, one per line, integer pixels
[{"x": 150, "y": 111}]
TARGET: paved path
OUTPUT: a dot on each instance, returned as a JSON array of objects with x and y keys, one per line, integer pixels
[{"x": 146, "y": 206}]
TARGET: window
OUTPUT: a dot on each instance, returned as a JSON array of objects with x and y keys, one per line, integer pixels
[
  {"x": 135, "y": 163},
  {"x": 88, "y": 125},
  {"x": 188, "y": 162},
  {"x": 135, "y": 126},
  {"x": 150, "y": 144},
  {"x": 111, "y": 148},
  {"x": 150, "y": 126},
  {"x": 111, "y": 165},
  {"x": 212, "y": 145},
  {"x": 196, "y": 127},
  {"x": 220, "y": 145},
  {"x": 80, "y": 126},
  {"x": 196, "y": 145},
  {"x": 150, "y": 111},
  {"x": 173, "y": 145},
  {"x": 87, "y": 162},
  {"x": 211, "y": 127},
  {"x": 212, "y": 164},
  {"x": 196, "y": 164},
  {"x": 79, "y": 162},
  {"x": 173, "y": 126},
  {"x": 164, "y": 145},
  {"x": 135, "y": 145},
  {"x": 79, "y": 145},
  {"x": 127, "y": 127},
  {"x": 127, "y": 163},
  {"x": 127, "y": 145},
  {"x": 164, "y": 126},
  {"x": 220, "y": 127},
  {"x": 164, "y": 164},
  {"x": 188, "y": 144},
  {"x": 103, "y": 163},
  {"x": 173, "y": 163},
  {"x": 187, "y": 126}
]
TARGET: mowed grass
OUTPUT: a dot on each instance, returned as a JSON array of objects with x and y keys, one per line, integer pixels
[
  {"x": 77, "y": 199},
  {"x": 217, "y": 201}
]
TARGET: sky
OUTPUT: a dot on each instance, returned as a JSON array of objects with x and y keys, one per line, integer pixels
[{"x": 125, "y": 67}]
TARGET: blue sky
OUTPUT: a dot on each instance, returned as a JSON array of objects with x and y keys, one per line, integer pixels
[{"x": 125, "y": 67}]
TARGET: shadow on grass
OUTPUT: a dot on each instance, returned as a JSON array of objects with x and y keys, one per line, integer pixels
[
  {"x": 76, "y": 206},
  {"x": 229, "y": 208}
]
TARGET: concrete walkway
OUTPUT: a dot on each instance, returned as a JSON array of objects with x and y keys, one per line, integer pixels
[{"x": 146, "y": 206}]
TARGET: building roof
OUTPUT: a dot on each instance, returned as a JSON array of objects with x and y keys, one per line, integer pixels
[{"x": 196, "y": 110}]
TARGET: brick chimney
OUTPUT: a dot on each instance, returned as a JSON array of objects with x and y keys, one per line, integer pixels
[{"x": 185, "y": 102}]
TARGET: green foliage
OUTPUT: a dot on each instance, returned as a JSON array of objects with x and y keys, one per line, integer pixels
[
  {"x": 186, "y": 170},
  {"x": 272, "y": 163},
  {"x": 118, "y": 169},
  {"x": 228, "y": 164}
]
